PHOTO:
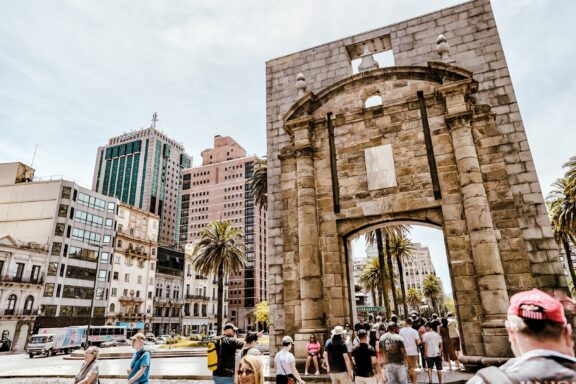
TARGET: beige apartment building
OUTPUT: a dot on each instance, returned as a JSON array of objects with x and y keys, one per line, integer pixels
[
  {"x": 130, "y": 302},
  {"x": 219, "y": 190},
  {"x": 22, "y": 270}
]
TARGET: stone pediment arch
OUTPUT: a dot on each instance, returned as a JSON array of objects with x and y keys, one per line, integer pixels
[{"x": 435, "y": 73}]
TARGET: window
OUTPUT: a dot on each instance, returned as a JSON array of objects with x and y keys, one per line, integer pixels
[
  {"x": 49, "y": 290},
  {"x": 107, "y": 239},
  {"x": 109, "y": 223},
  {"x": 63, "y": 210},
  {"x": 74, "y": 292},
  {"x": 81, "y": 273},
  {"x": 82, "y": 254},
  {"x": 102, "y": 275},
  {"x": 91, "y": 201},
  {"x": 127, "y": 277},
  {"x": 115, "y": 275},
  {"x": 66, "y": 192},
  {"x": 99, "y": 293},
  {"x": 139, "y": 279},
  {"x": 52, "y": 269},
  {"x": 125, "y": 292},
  {"x": 105, "y": 257},
  {"x": 56, "y": 248},
  {"x": 118, "y": 259},
  {"x": 112, "y": 308},
  {"x": 111, "y": 207},
  {"x": 59, "y": 230}
]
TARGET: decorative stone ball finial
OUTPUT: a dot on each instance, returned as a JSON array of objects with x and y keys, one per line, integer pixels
[
  {"x": 301, "y": 84},
  {"x": 443, "y": 48}
]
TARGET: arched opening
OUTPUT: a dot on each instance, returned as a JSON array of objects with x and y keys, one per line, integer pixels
[
  {"x": 373, "y": 101},
  {"x": 112, "y": 307},
  {"x": 28, "y": 304},
  {"x": 11, "y": 305}
]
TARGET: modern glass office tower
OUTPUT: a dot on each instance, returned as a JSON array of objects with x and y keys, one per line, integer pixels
[{"x": 143, "y": 169}]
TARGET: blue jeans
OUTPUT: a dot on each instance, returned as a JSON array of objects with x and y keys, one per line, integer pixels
[
  {"x": 223, "y": 379},
  {"x": 396, "y": 373}
]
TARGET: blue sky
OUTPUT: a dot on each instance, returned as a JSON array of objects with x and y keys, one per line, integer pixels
[{"x": 76, "y": 72}]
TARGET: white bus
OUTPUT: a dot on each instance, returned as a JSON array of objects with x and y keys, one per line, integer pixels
[{"x": 102, "y": 333}]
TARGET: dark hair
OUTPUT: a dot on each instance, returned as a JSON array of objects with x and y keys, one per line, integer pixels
[
  {"x": 336, "y": 337},
  {"x": 312, "y": 336},
  {"x": 347, "y": 325},
  {"x": 394, "y": 319},
  {"x": 409, "y": 321},
  {"x": 444, "y": 322},
  {"x": 542, "y": 330},
  {"x": 251, "y": 337}
]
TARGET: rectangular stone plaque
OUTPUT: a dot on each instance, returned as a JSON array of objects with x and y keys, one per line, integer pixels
[{"x": 380, "y": 170}]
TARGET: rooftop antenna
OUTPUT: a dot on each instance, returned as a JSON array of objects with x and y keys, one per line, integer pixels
[
  {"x": 34, "y": 156},
  {"x": 154, "y": 119}
]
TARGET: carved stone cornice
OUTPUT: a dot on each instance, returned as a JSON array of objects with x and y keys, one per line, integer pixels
[
  {"x": 456, "y": 120},
  {"x": 305, "y": 121},
  {"x": 294, "y": 152}
]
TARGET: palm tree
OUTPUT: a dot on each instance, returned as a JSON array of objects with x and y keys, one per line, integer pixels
[
  {"x": 370, "y": 279},
  {"x": 402, "y": 248},
  {"x": 414, "y": 298},
  {"x": 376, "y": 237},
  {"x": 259, "y": 183},
  {"x": 561, "y": 204},
  {"x": 432, "y": 289},
  {"x": 220, "y": 252}
]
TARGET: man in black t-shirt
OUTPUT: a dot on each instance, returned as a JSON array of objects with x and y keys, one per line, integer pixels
[
  {"x": 364, "y": 358},
  {"x": 338, "y": 362},
  {"x": 435, "y": 323},
  {"x": 361, "y": 324},
  {"x": 227, "y": 346}
]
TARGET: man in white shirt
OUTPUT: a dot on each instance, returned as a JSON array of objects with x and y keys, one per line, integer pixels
[
  {"x": 411, "y": 343},
  {"x": 453, "y": 331},
  {"x": 432, "y": 350}
]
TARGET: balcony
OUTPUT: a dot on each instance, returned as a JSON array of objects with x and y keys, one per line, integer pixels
[
  {"x": 22, "y": 280},
  {"x": 18, "y": 313},
  {"x": 131, "y": 316},
  {"x": 197, "y": 297},
  {"x": 131, "y": 299},
  {"x": 136, "y": 252},
  {"x": 160, "y": 300},
  {"x": 200, "y": 277}
]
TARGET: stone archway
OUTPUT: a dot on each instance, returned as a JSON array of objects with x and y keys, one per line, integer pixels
[{"x": 426, "y": 155}]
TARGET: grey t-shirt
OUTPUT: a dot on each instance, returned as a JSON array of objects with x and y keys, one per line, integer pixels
[{"x": 391, "y": 344}]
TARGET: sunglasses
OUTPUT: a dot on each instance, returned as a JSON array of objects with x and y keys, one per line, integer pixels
[{"x": 247, "y": 372}]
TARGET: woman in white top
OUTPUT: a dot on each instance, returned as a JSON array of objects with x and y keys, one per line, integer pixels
[{"x": 285, "y": 363}]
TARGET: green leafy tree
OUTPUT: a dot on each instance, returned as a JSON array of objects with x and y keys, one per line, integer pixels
[
  {"x": 370, "y": 279},
  {"x": 432, "y": 290},
  {"x": 561, "y": 204},
  {"x": 450, "y": 305},
  {"x": 259, "y": 183},
  {"x": 263, "y": 313},
  {"x": 414, "y": 299},
  {"x": 220, "y": 252}
]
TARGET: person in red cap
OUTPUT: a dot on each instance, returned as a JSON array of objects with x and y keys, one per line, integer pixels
[{"x": 541, "y": 339}]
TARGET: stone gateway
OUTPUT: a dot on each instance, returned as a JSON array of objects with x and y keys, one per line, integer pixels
[{"x": 443, "y": 146}]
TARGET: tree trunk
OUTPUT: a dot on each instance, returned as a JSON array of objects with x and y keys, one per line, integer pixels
[
  {"x": 220, "y": 309},
  {"x": 382, "y": 272},
  {"x": 391, "y": 274},
  {"x": 402, "y": 288},
  {"x": 566, "y": 244},
  {"x": 373, "y": 292}
]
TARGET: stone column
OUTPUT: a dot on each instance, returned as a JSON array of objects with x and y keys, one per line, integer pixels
[
  {"x": 309, "y": 260},
  {"x": 483, "y": 241}
]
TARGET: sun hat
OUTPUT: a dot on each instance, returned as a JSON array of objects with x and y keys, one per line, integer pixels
[
  {"x": 287, "y": 340},
  {"x": 338, "y": 330}
]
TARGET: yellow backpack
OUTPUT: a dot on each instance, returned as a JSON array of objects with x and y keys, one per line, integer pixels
[{"x": 213, "y": 349}]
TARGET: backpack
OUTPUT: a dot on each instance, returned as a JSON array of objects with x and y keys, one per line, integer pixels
[{"x": 214, "y": 348}]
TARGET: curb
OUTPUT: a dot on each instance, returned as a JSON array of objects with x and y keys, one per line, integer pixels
[{"x": 317, "y": 379}]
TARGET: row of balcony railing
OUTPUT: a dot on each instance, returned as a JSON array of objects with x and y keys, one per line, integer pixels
[
  {"x": 38, "y": 280},
  {"x": 18, "y": 312}
]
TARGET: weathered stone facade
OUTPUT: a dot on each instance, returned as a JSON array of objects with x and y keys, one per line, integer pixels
[{"x": 475, "y": 179}]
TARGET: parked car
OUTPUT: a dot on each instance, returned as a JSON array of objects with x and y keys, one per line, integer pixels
[
  {"x": 154, "y": 340},
  {"x": 115, "y": 343}
]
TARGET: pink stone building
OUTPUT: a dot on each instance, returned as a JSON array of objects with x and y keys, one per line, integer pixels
[{"x": 219, "y": 190}]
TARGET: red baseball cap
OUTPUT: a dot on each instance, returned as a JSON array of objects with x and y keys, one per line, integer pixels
[{"x": 537, "y": 305}]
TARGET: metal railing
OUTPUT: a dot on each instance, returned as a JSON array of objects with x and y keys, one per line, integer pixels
[
  {"x": 197, "y": 297},
  {"x": 39, "y": 280},
  {"x": 19, "y": 312}
]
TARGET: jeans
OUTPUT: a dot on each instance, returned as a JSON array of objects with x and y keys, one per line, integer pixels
[
  {"x": 223, "y": 379},
  {"x": 396, "y": 374},
  {"x": 340, "y": 378},
  {"x": 366, "y": 380}
]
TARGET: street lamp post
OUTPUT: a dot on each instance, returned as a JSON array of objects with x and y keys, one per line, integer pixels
[{"x": 93, "y": 295}]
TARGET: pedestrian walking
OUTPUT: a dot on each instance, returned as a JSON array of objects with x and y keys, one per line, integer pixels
[
  {"x": 338, "y": 363},
  {"x": 227, "y": 345},
  {"x": 366, "y": 366},
  {"x": 454, "y": 333},
  {"x": 89, "y": 371},
  {"x": 313, "y": 347},
  {"x": 139, "y": 371},
  {"x": 394, "y": 352},
  {"x": 448, "y": 352},
  {"x": 541, "y": 340},
  {"x": 250, "y": 370},
  {"x": 361, "y": 324},
  {"x": 285, "y": 364},
  {"x": 435, "y": 323},
  {"x": 432, "y": 350},
  {"x": 250, "y": 346},
  {"x": 422, "y": 332},
  {"x": 348, "y": 336},
  {"x": 411, "y": 342}
]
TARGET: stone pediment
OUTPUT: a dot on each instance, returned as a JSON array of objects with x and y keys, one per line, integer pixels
[
  {"x": 435, "y": 72},
  {"x": 8, "y": 240}
]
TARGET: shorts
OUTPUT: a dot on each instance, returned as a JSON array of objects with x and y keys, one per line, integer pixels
[
  {"x": 456, "y": 343},
  {"x": 436, "y": 360},
  {"x": 412, "y": 361}
]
